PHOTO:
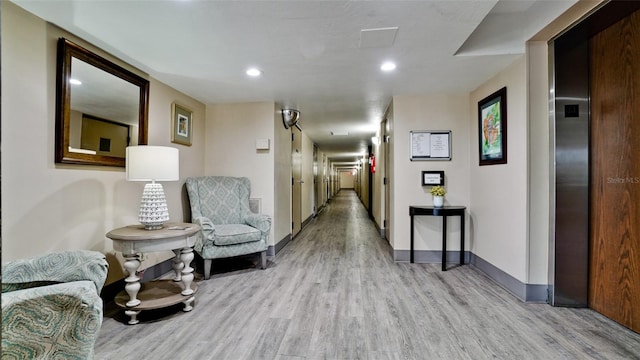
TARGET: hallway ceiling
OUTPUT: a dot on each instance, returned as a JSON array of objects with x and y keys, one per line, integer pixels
[{"x": 320, "y": 57}]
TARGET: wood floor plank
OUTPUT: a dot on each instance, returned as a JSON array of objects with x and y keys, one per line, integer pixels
[
  {"x": 267, "y": 343},
  {"x": 297, "y": 340},
  {"x": 324, "y": 337},
  {"x": 334, "y": 292}
]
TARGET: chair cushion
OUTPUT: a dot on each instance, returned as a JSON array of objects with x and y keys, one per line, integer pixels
[
  {"x": 231, "y": 234},
  {"x": 46, "y": 270}
]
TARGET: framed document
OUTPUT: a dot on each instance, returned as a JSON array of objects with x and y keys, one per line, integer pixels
[
  {"x": 430, "y": 145},
  {"x": 432, "y": 178}
]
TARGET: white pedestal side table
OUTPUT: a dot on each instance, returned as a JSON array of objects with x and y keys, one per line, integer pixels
[{"x": 134, "y": 240}]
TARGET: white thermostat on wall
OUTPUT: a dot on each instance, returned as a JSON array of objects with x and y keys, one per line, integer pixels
[{"x": 262, "y": 144}]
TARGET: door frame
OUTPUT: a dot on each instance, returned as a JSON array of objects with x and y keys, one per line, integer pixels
[{"x": 296, "y": 181}]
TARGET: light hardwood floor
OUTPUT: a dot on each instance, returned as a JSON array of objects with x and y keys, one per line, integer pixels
[{"x": 335, "y": 293}]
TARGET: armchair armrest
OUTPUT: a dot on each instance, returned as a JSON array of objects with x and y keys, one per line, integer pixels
[
  {"x": 208, "y": 230},
  {"x": 55, "y": 268},
  {"x": 60, "y": 320},
  {"x": 259, "y": 221}
]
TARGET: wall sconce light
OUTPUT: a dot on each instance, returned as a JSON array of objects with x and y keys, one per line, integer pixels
[
  {"x": 152, "y": 163},
  {"x": 290, "y": 117},
  {"x": 375, "y": 140}
]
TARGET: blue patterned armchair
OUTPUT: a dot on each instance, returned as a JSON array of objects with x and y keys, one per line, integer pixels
[
  {"x": 51, "y": 307},
  {"x": 220, "y": 205}
]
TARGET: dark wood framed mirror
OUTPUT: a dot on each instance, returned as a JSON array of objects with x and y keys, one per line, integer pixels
[{"x": 101, "y": 108}]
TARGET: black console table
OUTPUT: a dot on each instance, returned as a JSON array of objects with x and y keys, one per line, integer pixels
[{"x": 444, "y": 212}]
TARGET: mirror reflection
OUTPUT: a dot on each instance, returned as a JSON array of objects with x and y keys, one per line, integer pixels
[
  {"x": 103, "y": 116},
  {"x": 102, "y": 108}
]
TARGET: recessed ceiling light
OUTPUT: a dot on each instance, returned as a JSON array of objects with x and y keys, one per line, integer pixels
[
  {"x": 254, "y": 72},
  {"x": 75, "y": 82},
  {"x": 388, "y": 66}
]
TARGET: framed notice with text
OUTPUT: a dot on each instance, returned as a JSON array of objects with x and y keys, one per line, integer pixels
[
  {"x": 430, "y": 145},
  {"x": 432, "y": 178}
]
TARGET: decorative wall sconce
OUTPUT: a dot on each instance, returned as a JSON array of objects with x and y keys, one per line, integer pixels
[{"x": 290, "y": 117}]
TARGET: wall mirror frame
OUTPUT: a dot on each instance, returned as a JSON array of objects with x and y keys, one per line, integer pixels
[{"x": 68, "y": 53}]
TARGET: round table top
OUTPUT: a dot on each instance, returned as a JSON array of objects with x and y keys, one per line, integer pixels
[
  {"x": 454, "y": 207},
  {"x": 437, "y": 211},
  {"x": 138, "y": 232}
]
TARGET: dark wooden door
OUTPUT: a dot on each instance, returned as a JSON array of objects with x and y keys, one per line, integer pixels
[{"x": 614, "y": 271}]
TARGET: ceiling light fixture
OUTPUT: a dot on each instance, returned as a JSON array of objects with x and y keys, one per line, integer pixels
[
  {"x": 388, "y": 66},
  {"x": 254, "y": 72}
]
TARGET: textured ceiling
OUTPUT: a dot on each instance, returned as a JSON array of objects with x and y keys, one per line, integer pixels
[{"x": 310, "y": 52}]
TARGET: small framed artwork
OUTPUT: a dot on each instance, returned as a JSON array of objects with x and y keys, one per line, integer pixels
[
  {"x": 181, "y": 124},
  {"x": 492, "y": 128},
  {"x": 432, "y": 178}
]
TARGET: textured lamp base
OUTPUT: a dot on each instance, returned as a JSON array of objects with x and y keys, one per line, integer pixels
[{"x": 153, "y": 207}]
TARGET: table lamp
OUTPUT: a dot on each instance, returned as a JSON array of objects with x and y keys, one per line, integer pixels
[{"x": 152, "y": 163}]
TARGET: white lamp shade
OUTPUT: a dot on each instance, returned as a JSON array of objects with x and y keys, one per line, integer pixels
[{"x": 152, "y": 163}]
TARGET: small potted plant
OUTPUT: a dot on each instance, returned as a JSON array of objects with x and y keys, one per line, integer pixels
[{"x": 438, "y": 195}]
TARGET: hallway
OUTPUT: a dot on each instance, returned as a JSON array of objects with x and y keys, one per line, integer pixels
[{"x": 335, "y": 293}]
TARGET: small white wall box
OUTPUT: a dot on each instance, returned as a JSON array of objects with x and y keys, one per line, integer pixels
[{"x": 262, "y": 144}]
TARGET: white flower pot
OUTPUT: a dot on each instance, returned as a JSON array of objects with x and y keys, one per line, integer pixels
[{"x": 438, "y": 201}]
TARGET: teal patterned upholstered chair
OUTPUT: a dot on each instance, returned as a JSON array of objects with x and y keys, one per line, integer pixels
[
  {"x": 51, "y": 305},
  {"x": 220, "y": 205}
]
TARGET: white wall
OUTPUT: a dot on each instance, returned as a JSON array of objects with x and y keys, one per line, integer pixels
[
  {"x": 347, "y": 180},
  {"x": 428, "y": 112},
  {"x": 49, "y": 207},
  {"x": 231, "y": 132},
  {"x": 282, "y": 188},
  {"x": 539, "y": 162},
  {"x": 499, "y": 192}
]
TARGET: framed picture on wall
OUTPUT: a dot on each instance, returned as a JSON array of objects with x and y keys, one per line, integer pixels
[
  {"x": 181, "y": 124},
  {"x": 492, "y": 128}
]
